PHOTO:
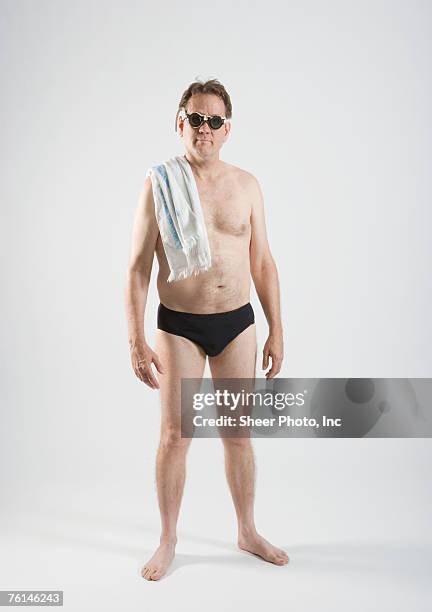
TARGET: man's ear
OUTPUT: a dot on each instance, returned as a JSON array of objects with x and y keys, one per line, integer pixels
[
  {"x": 180, "y": 119},
  {"x": 180, "y": 125},
  {"x": 227, "y": 127}
]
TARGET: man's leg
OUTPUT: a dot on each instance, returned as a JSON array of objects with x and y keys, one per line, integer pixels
[
  {"x": 238, "y": 360},
  {"x": 181, "y": 359}
]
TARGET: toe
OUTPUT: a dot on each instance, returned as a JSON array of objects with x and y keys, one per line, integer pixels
[
  {"x": 282, "y": 555},
  {"x": 278, "y": 558},
  {"x": 147, "y": 574}
]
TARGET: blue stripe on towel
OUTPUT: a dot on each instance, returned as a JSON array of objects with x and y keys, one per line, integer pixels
[
  {"x": 163, "y": 173},
  {"x": 170, "y": 221}
]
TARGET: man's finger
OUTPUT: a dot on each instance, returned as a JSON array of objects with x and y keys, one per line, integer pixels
[
  {"x": 275, "y": 369},
  {"x": 146, "y": 372},
  {"x": 152, "y": 379},
  {"x": 158, "y": 364},
  {"x": 265, "y": 360},
  {"x": 137, "y": 371},
  {"x": 143, "y": 370},
  {"x": 147, "y": 381}
]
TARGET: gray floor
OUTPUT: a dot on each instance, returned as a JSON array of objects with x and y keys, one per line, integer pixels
[{"x": 358, "y": 542}]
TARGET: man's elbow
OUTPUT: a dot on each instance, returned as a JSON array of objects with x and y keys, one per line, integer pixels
[
  {"x": 137, "y": 274},
  {"x": 263, "y": 266}
]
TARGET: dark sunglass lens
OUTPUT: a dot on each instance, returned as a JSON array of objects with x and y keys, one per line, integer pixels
[
  {"x": 195, "y": 120},
  {"x": 216, "y": 122}
]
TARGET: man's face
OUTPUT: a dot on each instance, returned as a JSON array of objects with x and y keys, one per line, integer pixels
[{"x": 203, "y": 141}]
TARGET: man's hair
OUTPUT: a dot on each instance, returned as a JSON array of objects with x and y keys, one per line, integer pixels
[{"x": 212, "y": 86}]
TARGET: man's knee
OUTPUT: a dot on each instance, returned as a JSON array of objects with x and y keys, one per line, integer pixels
[
  {"x": 171, "y": 439},
  {"x": 237, "y": 443}
]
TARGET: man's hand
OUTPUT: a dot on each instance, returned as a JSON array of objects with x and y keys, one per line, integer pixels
[
  {"x": 142, "y": 357},
  {"x": 273, "y": 348}
]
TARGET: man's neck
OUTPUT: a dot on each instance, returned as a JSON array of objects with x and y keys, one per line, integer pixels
[{"x": 204, "y": 168}]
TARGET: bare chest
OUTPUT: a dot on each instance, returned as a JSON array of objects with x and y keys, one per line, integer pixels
[{"x": 226, "y": 208}]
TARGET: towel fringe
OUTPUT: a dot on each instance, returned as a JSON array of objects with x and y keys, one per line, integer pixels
[{"x": 183, "y": 273}]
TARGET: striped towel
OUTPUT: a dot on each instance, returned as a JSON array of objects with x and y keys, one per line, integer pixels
[{"x": 180, "y": 218}]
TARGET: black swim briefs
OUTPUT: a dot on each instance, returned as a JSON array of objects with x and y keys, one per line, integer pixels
[{"x": 211, "y": 331}]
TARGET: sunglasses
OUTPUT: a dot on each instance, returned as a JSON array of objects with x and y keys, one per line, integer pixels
[{"x": 196, "y": 120}]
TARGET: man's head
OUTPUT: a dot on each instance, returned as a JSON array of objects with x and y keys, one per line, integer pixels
[{"x": 208, "y": 98}]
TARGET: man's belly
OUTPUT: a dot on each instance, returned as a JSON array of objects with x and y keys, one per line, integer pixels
[{"x": 226, "y": 286}]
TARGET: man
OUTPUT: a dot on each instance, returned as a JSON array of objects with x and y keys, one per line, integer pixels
[{"x": 232, "y": 208}]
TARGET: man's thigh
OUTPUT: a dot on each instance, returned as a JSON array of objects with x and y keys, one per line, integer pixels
[
  {"x": 180, "y": 358},
  {"x": 238, "y": 359}
]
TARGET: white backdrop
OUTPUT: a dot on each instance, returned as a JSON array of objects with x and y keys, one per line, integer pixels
[{"x": 331, "y": 112}]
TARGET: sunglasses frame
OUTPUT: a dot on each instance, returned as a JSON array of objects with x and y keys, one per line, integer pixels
[{"x": 204, "y": 118}]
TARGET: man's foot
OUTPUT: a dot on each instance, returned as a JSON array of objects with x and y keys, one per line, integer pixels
[
  {"x": 159, "y": 563},
  {"x": 257, "y": 545}
]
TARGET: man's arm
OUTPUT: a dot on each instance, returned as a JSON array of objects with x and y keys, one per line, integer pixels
[
  {"x": 265, "y": 277},
  {"x": 144, "y": 236}
]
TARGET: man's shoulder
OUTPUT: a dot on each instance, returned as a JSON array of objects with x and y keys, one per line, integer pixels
[{"x": 245, "y": 178}]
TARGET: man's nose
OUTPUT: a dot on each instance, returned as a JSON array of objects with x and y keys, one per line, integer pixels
[{"x": 204, "y": 128}]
